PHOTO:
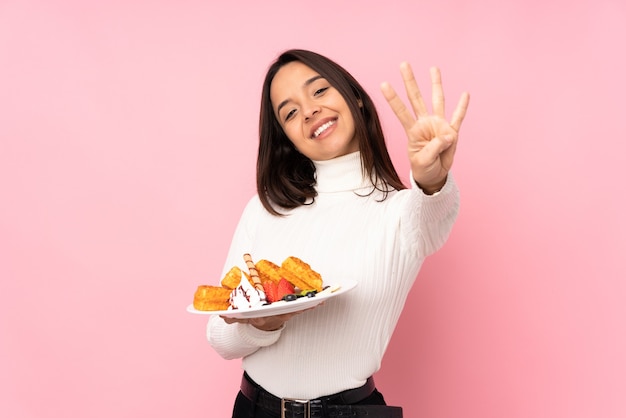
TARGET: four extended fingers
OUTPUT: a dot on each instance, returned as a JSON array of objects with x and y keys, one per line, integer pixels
[{"x": 417, "y": 102}]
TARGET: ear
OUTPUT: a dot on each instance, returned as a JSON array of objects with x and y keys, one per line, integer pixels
[{"x": 360, "y": 103}]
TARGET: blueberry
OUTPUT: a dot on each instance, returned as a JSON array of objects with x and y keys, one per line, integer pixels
[{"x": 290, "y": 297}]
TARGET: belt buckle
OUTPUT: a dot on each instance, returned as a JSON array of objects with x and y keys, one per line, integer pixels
[{"x": 306, "y": 403}]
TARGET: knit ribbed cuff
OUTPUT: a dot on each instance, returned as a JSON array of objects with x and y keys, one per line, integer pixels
[{"x": 254, "y": 336}]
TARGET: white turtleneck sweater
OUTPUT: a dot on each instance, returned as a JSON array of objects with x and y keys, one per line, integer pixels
[{"x": 343, "y": 236}]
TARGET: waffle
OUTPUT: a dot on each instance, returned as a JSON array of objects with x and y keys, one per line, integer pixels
[
  {"x": 268, "y": 271},
  {"x": 300, "y": 274},
  {"x": 211, "y": 298},
  {"x": 232, "y": 279}
]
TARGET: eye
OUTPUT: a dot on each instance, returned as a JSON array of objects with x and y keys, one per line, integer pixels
[
  {"x": 320, "y": 91},
  {"x": 290, "y": 114}
]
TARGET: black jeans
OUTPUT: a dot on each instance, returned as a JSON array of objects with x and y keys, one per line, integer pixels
[{"x": 244, "y": 408}]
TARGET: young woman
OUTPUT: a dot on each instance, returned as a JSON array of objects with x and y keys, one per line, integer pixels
[{"x": 328, "y": 194}]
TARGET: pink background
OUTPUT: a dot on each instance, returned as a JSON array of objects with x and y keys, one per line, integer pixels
[{"x": 128, "y": 140}]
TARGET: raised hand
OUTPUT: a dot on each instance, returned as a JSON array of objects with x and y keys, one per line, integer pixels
[{"x": 432, "y": 140}]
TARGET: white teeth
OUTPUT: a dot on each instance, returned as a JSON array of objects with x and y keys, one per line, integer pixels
[{"x": 322, "y": 128}]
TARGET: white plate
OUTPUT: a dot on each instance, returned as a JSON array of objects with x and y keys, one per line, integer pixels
[{"x": 281, "y": 307}]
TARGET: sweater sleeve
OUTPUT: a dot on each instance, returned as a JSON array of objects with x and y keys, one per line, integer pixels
[
  {"x": 432, "y": 216},
  {"x": 239, "y": 340}
]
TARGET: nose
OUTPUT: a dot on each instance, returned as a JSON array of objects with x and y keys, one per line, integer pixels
[{"x": 309, "y": 110}]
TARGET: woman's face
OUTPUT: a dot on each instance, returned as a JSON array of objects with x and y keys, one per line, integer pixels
[{"x": 313, "y": 114}]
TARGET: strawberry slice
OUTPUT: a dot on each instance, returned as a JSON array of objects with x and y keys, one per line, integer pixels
[
  {"x": 271, "y": 291},
  {"x": 284, "y": 288}
]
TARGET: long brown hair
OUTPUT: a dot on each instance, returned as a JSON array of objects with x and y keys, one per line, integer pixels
[{"x": 285, "y": 177}]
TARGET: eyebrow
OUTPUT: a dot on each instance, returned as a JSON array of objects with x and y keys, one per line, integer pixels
[{"x": 306, "y": 83}]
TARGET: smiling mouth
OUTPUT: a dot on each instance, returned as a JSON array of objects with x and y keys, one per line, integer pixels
[{"x": 322, "y": 128}]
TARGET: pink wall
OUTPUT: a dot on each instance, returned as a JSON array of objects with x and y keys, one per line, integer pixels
[{"x": 127, "y": 146}]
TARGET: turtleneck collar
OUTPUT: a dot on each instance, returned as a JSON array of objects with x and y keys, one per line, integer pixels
[{"x": 341, "y": 174}]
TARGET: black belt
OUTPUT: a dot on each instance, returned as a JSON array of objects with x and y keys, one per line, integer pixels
[{"x": 339, "y": 404}]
